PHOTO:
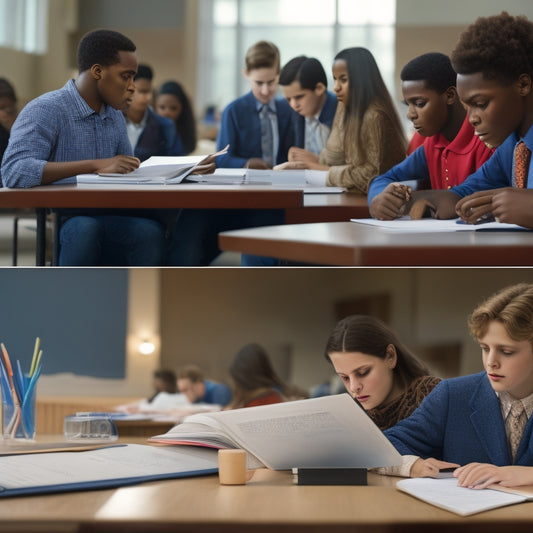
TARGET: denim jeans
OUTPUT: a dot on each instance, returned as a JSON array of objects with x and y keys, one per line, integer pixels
[{"x": 111, "y": 240}]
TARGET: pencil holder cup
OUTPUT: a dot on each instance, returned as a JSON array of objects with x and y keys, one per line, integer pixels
[{"x": 18, "y": 417}]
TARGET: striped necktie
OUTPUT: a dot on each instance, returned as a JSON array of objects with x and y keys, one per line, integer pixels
[
  {"x": 518, "y": 421},
  {"x": 522, "y": 156},
  {"x": 267, "y": 136}
]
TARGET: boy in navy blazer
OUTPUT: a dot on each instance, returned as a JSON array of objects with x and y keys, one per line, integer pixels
[
  {"x": 240, "y": 124},
  {"x": 469, "y": 422}
]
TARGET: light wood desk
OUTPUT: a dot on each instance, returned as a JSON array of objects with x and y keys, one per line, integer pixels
[
  {"x": 298, "y": 207},
  {"x": 347, "y": 243},
  {"x": 268, "y": 502}
]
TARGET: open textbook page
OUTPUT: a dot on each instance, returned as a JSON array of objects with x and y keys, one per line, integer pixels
[
  {"x": 446, "y": 494},
  {"x": 432, "y": 225},
  {"x": 327, "y": 432}
]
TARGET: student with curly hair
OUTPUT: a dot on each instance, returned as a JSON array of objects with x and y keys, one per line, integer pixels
[
  {"x": 377, "y": 369},
  {"x": 494, "y": 64},
  {"x": 450, "y": 152}
]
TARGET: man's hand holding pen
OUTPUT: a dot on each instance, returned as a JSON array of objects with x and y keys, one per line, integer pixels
[{"x": 392, "y": 202}]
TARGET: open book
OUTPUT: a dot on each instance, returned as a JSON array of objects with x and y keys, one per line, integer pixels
[
  {"x": 327, "y": 432},
  {"x": 155, "y": 170},
  {"x": 446, "y": 494},
  {"x": 112, "y": 466}
]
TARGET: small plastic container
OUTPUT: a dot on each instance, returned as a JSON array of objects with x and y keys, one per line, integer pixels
[{"x": 90, "y": 426}]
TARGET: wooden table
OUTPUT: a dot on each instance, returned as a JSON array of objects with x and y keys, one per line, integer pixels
[
  {"x": 269, "y": 502},
  {"x": 348, "y": 243},
  {"x": 298, "y": 207}
]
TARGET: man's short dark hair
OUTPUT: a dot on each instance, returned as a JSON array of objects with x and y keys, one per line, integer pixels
[
  {"x": 434, "y": 69},
  {"x": 102, "y": 47},
  {"x": 144, "y": 72},
  {"x": 500, "y": 47},
  {"x": 307, "y": 70}
]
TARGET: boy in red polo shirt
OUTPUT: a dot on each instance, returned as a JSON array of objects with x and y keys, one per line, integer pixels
[{"x": 451, "y": 151}]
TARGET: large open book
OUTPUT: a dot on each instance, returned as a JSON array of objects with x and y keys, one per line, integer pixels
[
  {"x": 112, "y": 466},
  {"x": 155, "y": 170},
  {"x": 446, "y": 494},
  {"x": 327, "y": 432}
]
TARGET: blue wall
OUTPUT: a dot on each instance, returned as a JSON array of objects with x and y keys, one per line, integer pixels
[{"x": 79, "y": 314}]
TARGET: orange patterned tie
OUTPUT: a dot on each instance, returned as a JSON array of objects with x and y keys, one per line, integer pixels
[{"x": 522, "y": 155}]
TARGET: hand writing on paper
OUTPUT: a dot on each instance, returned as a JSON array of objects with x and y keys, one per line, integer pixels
[
  {"x": 120, "y": 164},
  {"x": 509, "y": 205},
  {"x": 429, "y": 467},
  {"x": 392, "y": 202}
]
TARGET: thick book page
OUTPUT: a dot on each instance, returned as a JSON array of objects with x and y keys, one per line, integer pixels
[
  {"x": 446, "y": 494},
  {"x": 432, "y": 225},
  {"x": 111, "y": 466},
  {"x": 326, "y": 432},
  {"x": 298, "y": 179}
]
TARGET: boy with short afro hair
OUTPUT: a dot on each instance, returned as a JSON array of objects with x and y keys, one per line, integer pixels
[
  {"x": 450, "y": 152},
  {"x": 304, "y": 84},
  {"x": 494, "y": 64}
]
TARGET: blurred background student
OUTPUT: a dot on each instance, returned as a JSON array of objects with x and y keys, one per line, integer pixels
[
  {"x": 149, "y": 133},
  {"x": 173, "y": 103},
  {"x": 367, "y": 137},
  {"x": 192, "y": 383},
  {"x": 377, "y": 369},
  {"x": 255, "y": 382},
  {"x": 8, "y": 113},
  {"x": 164, "y": 380}
]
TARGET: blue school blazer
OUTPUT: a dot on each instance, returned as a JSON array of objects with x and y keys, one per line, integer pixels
[
  {"x": 157, "y": 138},
  {"x": 240, "y": 127},
  {"x": 326, "y": 117},
  {"x": 460, "y": 421}
]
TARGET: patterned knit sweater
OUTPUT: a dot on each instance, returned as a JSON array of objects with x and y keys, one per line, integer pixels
[{"x": 386, "y": 416}]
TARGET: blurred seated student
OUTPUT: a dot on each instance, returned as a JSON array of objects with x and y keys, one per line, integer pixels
[
  {"x": 257, "y": 126},
  {"x": 8, "y": 113},
  {"x": 192, "y": 383},
  {"x": 480, "y": 423},
  {"x": 377, "y": 369},
  {"x": 451, "y": 150},
  {"x": 173, "y": 103},
  {"x": 149, "y": 133},
  {"x": 304, "y": 85},
  {"x": 164, "y": 380},
  {"x": 80, "y": 129},
  {"x": 367, "y": 137},
  {"x": 255, "y": 382},
  {"x": 497, "y": 93}
]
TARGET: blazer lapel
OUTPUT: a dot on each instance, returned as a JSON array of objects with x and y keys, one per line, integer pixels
[{"x": 488, "y": 423}]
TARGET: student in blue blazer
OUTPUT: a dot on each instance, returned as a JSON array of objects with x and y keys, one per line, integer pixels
[
  {"x": 304, "y": 84},
  {"x": 240, "y": 124},
  {"x": 259, "y": 131},
  {"x": 468, "y": 421}
]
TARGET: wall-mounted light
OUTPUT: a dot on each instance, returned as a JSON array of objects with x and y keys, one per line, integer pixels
[{"x": 146, "y": 347}]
